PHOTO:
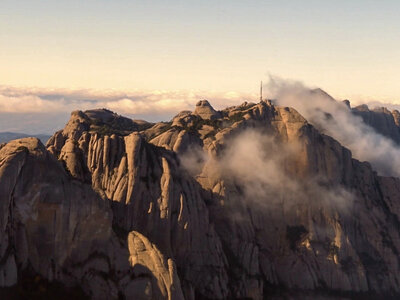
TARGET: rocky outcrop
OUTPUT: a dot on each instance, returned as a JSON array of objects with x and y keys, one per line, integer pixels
[
  {"x": 205, "y": 110},
  {"x": 148, "y": 261},
  {"x": 101, "y": 121}
]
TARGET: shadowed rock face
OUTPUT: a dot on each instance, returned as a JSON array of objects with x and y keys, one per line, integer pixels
[
  {"x": 59, "y": 229},
  {"x": 381, "y": 119},
  {"x": 248, "y": 202},
  {"x": 50, "y": 224}
]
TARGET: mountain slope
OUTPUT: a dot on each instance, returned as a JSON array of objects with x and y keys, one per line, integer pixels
[
  {"x": 8, "y": 136},
  {"x": 283, "y": 231},
  {"x": 248, "y": 202}
]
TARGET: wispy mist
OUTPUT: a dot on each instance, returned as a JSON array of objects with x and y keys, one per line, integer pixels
[
  {"x": 336, "y": 119},
  {"x": 260, "y": 170},
  {"x": 264, "y": 168},
  {"x": 156, "y": 102}
]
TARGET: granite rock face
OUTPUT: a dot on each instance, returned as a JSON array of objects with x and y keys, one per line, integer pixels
[
  {"x": 248, "y": 202},
  {"x": 50, "y": 225},
  {"x": 57, "y": 228}
]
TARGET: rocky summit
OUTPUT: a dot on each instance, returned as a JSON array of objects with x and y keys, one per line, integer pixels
[{"x": 249, "y": 202}]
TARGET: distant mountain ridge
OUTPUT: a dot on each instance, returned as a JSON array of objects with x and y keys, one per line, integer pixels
[
  {"x": 384, "y": 121},
  {"x": 6, "y": 136}
]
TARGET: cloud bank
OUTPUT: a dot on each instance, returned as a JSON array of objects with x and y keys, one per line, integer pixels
[
  {"x": 34, "y": 110},
  {"x": 157, "y": 102}
]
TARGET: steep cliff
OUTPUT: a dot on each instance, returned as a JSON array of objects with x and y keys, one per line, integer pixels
[{"x": 56, "y": 235}]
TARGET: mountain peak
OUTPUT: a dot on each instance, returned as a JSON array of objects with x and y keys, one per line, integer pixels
[{"x": 205, "y": 110}]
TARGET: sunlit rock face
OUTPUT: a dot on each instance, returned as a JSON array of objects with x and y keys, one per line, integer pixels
[{"x": 248, "y": 202}]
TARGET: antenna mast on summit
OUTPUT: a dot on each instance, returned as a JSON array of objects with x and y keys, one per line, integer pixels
[{"x": 261, "y": 94}]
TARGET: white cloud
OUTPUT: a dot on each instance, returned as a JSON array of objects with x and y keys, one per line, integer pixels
[
  {"x": 35, "y": 100},
  {"x": 39, "y": 110}
]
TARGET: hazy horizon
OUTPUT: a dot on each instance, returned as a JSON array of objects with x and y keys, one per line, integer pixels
[{"x": 44, "y": 111}]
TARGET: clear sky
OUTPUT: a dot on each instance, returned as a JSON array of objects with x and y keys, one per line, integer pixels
[{"x": 349, "y": 48}]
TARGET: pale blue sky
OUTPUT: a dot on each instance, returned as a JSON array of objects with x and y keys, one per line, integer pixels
[{"x": 349, "y": 48}]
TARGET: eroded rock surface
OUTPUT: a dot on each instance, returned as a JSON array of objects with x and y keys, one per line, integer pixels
[
  {"x": 58, "y": 229},
  {"x": 151, "y": 194},
  {"x": 51, "y": 225},
  {"x": 205, "y": 110},
  {"x": 149, "y": 262}
]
